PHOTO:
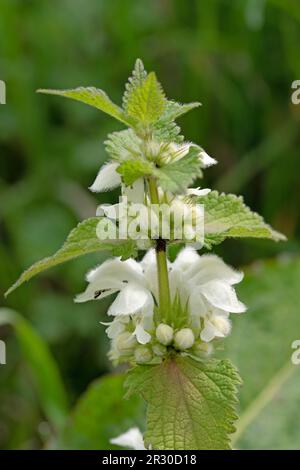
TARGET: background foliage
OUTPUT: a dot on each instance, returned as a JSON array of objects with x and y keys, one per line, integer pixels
[{"x": 239, "y": 59}]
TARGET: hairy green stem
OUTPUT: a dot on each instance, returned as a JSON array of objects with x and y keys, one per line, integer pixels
[{"x": 161, "y": 259}]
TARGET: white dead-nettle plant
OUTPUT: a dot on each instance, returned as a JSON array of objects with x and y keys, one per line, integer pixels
[{"x": 168, "y": 316}]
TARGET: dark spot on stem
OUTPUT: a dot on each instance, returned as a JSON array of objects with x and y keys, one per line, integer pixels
[{"x": 160, "y": 244}]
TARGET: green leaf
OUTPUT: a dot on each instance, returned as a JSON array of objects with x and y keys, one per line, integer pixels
[
  {"x": 165, "y": 129},
  {"x": 93, "y": 97},
  {"x": 177, "y": 176},
  {"x": 167, "y": 132},
  {"x": 261, "y": 346},
  {"x": 138, "y": 76},
  {"x": 102, "y": 414},
  {"x": 191, "y": 405},
  {"x": 226, "y": 215},
  {"x": 81, "y": 240},
  {"x": 174, "y": 110},
  {"x": 146, "y": 101},
  {"x": 131, "y": 170},
  {"x": 50, "y": 389},
  {"x": 123, "y": 145},
  {"x": 126, "y": 249}
]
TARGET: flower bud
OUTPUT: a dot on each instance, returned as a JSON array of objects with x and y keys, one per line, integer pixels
[
  {"x": 184, "y": 339},
  {"x": 152, "y": 149},
  {"x": 159, "y": 349},
  {"x": 203, "y": 349},
  {"x": 142, "y": 354},
  {"x": 164, "y": 334}
]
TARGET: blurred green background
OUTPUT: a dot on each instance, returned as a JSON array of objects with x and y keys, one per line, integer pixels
[{"x": 239, "y": 58}]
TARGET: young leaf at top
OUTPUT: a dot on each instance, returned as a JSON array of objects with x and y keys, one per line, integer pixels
[
  {"x": 177, "y": 176},
  {"x": 93, "y": 97},
  {"x": 226, "y": 215},
  {"x": 172, "y": 109},
  {"x": 138, "y": 76},
  {"x": 81, "y": 240},
  {"x": 146, "y": 102},
  {"x": 191, "y": 404}
]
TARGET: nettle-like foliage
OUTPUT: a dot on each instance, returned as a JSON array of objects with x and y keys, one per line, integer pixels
[{"x": 167, "y": 317}]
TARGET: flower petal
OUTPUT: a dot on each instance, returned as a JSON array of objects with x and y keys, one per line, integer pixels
[
  {"x": 209, "y": 332},
  {"x": 197, "y": 304},
  {"x": 132, "y": 299},
  {"x": 206, "y": 160},
  {"x": 114, "y": 329},
  {"x": 177, "y": 285},
  {"x": 98, "y": 292},
  {"x": 212, "y": 267},
  {"x": 149, "y": 259},
  {"x": 198, "y": 191},
  {"x": 133, "y": 439},
  {"x": 185, "y": 259},
  {"x": 107, "y": 178},
  {"x": 149, "y": 267},
  {"x": 141, "y": 335},
  {"x": 223, "y": 296},
  {"x": 217, "y": 326},
  {"x": 128, "y": 270},
  {"x": 177, "y": 151},
  {"x": 113, "y": 275}
]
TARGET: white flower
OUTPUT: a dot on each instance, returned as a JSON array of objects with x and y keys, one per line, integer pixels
[
  {"x": 204, "y": 285},
  {"x": 206, "y": 160},
  {"x": 174, "y": 152},
  {"x": 134, "y": 298},
  {"x": 132, "y": 438},
  {"x": 107, "y": 178},
  {"x": 115, "y": 275},
  {"x": 144, "y": 222},
  {"x": 197, "y": 191},
  {"x": 132, "y": 198},
  {"x": 189, "y": 216},
  {"x": 216, "y": 324},
  {"x": 125, "y": 342},
  {"x": 205, "y": 282}
]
